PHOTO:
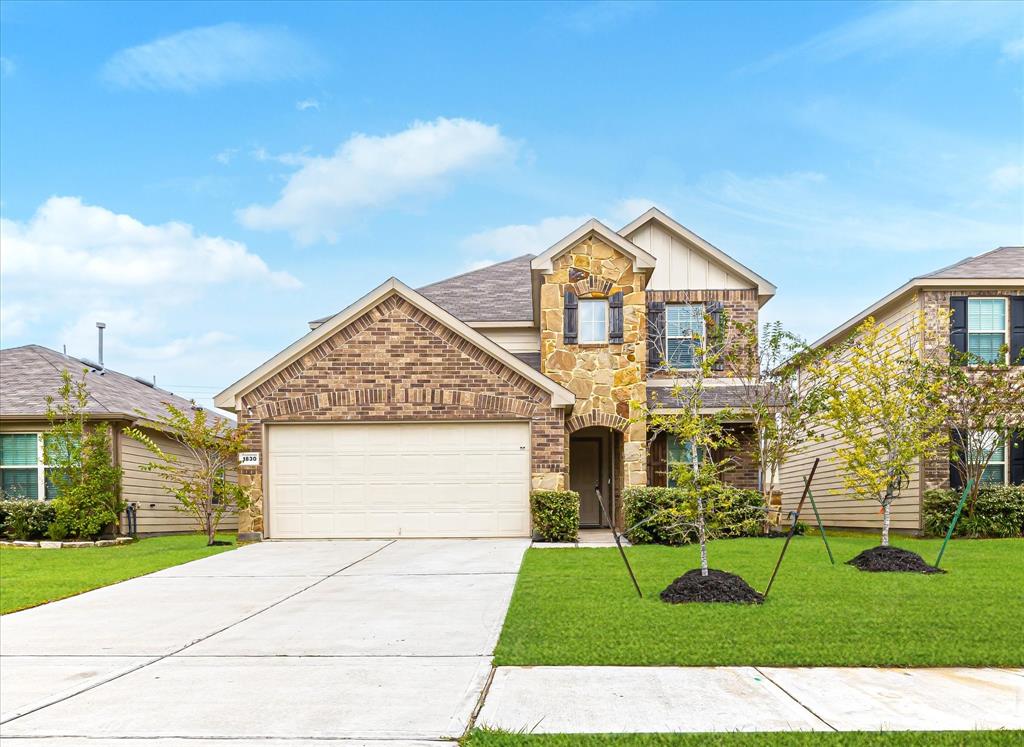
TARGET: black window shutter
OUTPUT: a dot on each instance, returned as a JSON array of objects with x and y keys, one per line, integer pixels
[
  {"x": 571, "y": 325},
  {"x": 1017, "y": 458},
  {"x": 958, "y": 325},
  {"x": 615, "y": 318},
  {"x": 655, "y": 334},
  {"x": 1017, "y": 331},
  {"x": 716, "y": 333},
  {"x": 956, "y": 451}
]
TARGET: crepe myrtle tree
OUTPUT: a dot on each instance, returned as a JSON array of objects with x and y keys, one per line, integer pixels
[
  {"x": 984, "y": 406},
  {"x": 883, "y": 398},
  {"x": 779, "y": 393},
  {"x": 683, "y": 415},
  {"x": 198, "y": 481}
]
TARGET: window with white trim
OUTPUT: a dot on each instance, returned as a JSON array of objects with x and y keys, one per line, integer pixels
[
  {"x": 986, "y": 329},
  {"x": 684, "y": 333},
  {"x": 593, "y": 320},
  {"x": 23, "y": 471},
  {"x": 993, "y": 448}
]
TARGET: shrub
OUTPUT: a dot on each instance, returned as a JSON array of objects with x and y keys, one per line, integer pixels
[
  {"x": 26, "y": 519},
  {"x": 998, "y": 512},
  {"x": 556, "y": 515},
  {"x": 732, "y": 512}
]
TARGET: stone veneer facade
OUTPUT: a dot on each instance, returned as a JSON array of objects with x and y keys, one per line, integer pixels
[
  {"x": 395, "y": 363},
  {"x": 607, "y": 379}
]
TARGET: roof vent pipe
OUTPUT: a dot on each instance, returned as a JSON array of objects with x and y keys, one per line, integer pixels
[{"x": 100, "y": 326}]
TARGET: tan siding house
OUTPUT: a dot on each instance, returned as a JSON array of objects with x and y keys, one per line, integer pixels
[{"x": 29, "y": 373}]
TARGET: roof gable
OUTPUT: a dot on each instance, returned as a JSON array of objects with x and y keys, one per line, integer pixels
[
  {"x": 642, "y": 260},
  {"x": 229, "y": 398},
  {"x": 765, "y": 289}
]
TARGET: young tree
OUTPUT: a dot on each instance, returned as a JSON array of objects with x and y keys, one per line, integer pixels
[
  {"x": 199, "y": 481},
  {"x": 79, "y": 459},
  {"x": 984, "y": 413},
  {"x": 778, "y": 394},
  {"x": 705, "y": 434},
  {"x": 884, "y": 400}
]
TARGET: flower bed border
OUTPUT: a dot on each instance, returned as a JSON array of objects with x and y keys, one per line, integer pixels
[{"x": 69, "y": 545}]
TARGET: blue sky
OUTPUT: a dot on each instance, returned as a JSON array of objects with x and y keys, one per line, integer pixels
[{"x": 207, "y": 177}]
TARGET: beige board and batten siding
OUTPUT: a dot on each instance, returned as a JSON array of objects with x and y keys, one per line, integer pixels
[
  {"x": 156, "y": 506},
  {"x": 837, "y": 507},
  {"x": 681, "y": 264},
  {"x": 514, "y": 339}
]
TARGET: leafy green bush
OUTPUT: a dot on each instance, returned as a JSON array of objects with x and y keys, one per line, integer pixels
[
  {"x": 26, "y": 519},
  {"x": 88, "y": 501},
  {"x": 556, "y": 515},
  {"x": 998, "y": 512},
  {"x": 731, "y": 512}
]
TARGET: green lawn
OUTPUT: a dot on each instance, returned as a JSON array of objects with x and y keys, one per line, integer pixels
[
  {"x": 29, "y": 577},
  {"x": 779, "y": 739},
  {"x": 576, "y": 606}
]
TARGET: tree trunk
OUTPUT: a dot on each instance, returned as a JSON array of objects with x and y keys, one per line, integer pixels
[
  {"x": 886, "y": 518},
  {"x": 702, "y": 535}
]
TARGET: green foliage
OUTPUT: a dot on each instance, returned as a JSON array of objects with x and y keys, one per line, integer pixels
[
  {"x": 556, "y": 514},
  {"x": 26, "y": 519},
  {"x": 88, "y": 484},
  {"x": 199, "y": 482},
  {"x": 998, "y": 512},
  {"x": 672, "y": 513}
]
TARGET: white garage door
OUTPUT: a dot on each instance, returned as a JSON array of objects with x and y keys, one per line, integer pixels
[{"x": 399, "y": 480}]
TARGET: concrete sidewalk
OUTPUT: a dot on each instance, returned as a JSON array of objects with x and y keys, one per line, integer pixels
[{"x": 592, "y": 700}]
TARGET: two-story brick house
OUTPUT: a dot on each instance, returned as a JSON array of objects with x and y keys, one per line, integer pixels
[
  {"x": 433, "y": 412},
  {"x": 984, "y": 296}
]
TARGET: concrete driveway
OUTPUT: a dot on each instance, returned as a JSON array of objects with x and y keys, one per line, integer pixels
[{"x": 346, "y": 639}]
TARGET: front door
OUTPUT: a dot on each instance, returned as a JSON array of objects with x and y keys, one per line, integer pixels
[{"x": 586, "y": 469}]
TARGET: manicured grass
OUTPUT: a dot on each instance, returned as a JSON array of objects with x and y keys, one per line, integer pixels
[
  {"x": 29, "y": 577},
  {"x": 577, "y": 606},
  {"x": 483, "y": 738}
]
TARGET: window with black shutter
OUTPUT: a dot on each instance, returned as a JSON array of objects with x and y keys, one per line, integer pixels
[
  {"x": 1017, "y": 331},
  {"x": 958, "y": 325},
  {"x": 615, "y": 322},
  {"x": 655, "y": 334},
  {"x": 570, "y": 318}
]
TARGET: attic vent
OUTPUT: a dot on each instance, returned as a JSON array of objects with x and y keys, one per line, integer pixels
[
  {"x": 91, "y": 364},
  {"x": 147, "y": 382}
]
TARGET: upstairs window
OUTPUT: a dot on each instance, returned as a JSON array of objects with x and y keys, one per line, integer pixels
[
  {"x": 593, "y": 320},
  {"x": 986, "y": 329},
  {"x": 684, "y": 333}
]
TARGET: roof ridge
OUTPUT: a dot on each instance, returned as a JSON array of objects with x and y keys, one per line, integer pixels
[
  {"x": 964, "y": 261},
  {"x": 478, "y": 269}
]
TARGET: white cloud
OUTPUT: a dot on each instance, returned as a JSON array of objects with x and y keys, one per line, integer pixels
[
  {"x": 593, "y": 17},
  {"x": 306, "y": 104},
  {"x": 369, "y": 171},
  {"x": 210, "y": 56},
  {"x": 895, "y": 28},
  {"x": 7, "y": 67},
  {"x": 68, "y": 241},
  {"x": 225, "y": 156},
  {"x": 1006, "y": 178},
  {"x": 515, "y": 240},
  {"x": 15, "y": 318}
]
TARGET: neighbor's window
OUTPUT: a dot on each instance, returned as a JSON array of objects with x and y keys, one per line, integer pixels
[
  {"x": 986, "y": 328},
  {"x": 21, "y": 470},
  {"x": 593, "y": 320},
  {"x": 678, "y": 451},
  {"x": 684, "y": 331},
  {"x": 993, "y": 443}
]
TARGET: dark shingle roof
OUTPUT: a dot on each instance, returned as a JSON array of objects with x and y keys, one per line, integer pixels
[
  {"x": 496, "y": 293},
  {"x": 31, "y": 372},
  {"x": 725, "y": 396},
  {"x": 1004, "y": 262}
]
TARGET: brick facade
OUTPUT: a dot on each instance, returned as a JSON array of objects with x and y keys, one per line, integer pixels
[{"x": 397, "y": 363}]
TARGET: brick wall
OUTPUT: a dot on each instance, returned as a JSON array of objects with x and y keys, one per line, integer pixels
[
  {"x": 743, "y": 472},
  {"x": 396, "y": 363}
]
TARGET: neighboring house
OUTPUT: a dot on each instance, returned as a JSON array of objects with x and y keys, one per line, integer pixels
[
  {"x": 30, "y": 373},
  {"x": 985, "y": 295},
  {"x": 432, "y": 413}
]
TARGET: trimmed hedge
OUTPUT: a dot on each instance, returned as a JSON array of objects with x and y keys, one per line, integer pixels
[
  {"x": 998, "y": 512},
  {"x": 26, "y": 519},
  {"x": 556, "y": 515},
  {"x": 731, "y": 512}
]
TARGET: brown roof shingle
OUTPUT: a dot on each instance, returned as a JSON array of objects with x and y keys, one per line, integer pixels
[
  {"x": 30, "y": 373},
  {"x": 1004, "y": 262}
]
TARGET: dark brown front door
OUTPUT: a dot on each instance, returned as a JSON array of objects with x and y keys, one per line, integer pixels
[{"x": 585, "y": 471}]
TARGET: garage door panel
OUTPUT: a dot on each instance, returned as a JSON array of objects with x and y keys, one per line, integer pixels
[{"x": 410, "y": 480}]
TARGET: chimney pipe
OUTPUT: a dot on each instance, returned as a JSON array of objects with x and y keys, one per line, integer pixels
[{"x": 101, "y": 326}]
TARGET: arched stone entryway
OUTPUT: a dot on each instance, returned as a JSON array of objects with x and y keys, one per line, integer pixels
[{"x": 595, "y": 463}]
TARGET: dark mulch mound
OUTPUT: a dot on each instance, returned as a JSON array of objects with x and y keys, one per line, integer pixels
[
  {"x": 880, "y": 558},
  {"x": 717, "y": 586}
]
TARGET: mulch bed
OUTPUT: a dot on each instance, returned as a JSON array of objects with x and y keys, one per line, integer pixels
[
  {"x": 717, "y": 586},
  {"x": 892, "y": 559}
]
